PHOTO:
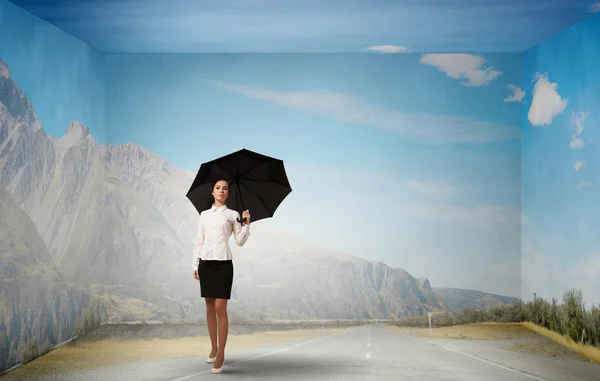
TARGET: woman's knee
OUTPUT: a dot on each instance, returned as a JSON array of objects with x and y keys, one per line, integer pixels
[{"x": 221, "y": 307}]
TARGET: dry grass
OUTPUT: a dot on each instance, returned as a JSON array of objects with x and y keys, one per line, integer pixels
[
  {"x": 104, "y": 353},
  {"x": 587, "y": 351},
  {"x": 483, "y": 331}
]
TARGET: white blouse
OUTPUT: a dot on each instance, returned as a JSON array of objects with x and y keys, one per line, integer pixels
[{"x": 214, "y": 230}]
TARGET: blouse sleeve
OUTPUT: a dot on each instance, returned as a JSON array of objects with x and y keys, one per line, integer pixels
[
  {"x": 240, "y": 232},
  {"x": 199, "y": 243}
]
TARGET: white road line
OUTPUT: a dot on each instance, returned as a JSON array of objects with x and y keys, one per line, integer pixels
[
  {"x": 485, "y": 361},
  {"x": 493, "y": 363},
  {"x": 368, "y": 355},
  {"x": 264, "y": 355},
  {"x": 368, "y": 344}
]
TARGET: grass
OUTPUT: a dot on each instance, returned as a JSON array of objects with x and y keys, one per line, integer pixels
[
  {"x": 85, "y": 355},
  {"x": 588, "y": 351}
]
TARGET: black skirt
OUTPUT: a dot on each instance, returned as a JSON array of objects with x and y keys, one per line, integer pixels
[{"x": 216, "y": 278}]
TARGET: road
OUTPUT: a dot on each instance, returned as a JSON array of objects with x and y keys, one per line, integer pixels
[{"x": 371, "y": 352}]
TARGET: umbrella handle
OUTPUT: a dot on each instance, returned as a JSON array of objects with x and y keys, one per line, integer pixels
[{"x": 241, "y": 221}]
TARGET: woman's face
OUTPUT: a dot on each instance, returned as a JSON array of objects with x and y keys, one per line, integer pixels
[{"x": 221, "y": 191}]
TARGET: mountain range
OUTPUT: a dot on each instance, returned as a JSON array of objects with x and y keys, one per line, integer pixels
[{"x": 111, "y": 222}]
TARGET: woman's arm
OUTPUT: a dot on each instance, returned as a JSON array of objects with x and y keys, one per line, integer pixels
[
  {"x": 241, "y": 233},
  {"x": 199, "y": 243}
]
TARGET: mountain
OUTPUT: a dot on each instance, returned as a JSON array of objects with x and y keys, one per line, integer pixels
[
  {"x": 26, "y": 153},
  {"x": 287, "y": 277},
  {"x": 459, "y": 299},
  {"x": 17, "y": 104},
  {"x": 98, "y": 230},
  {"x": 159, "y": 183},
  {"x": 38, "y": 308}
]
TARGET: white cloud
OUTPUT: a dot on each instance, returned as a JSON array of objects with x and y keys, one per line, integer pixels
[
  {"x": 546, "y": 103},
  {"x": 388, "y": 49},
  {"x": 517, "y": 95},
  {"x": 576, "y": 143},
  {"x": 435, "y": 189},
  {"x": 584, "y": 184},
  {"x": 352, "y": 109},
  {"x": 578, "y": 165},
  {"x": 466, "y": 67},
  {"x": 595, "y": 8},
  {"x": 577, "y": 124}
]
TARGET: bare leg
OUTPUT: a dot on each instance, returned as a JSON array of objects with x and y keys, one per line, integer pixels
[
  {"x": 211, "y": 321},
  {"x": 221, "y": 308}
]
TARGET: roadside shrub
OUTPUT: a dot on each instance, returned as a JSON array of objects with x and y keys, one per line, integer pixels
[{"x": 569, "y": 318}]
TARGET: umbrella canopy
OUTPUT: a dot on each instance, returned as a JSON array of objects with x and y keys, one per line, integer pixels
[{"x": 256, "y": 182}]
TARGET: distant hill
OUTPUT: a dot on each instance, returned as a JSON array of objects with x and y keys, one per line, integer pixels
[{"x": 458, "y": 299}]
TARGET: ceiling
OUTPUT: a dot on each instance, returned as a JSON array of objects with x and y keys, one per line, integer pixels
[{"x": 311, "y": 26}]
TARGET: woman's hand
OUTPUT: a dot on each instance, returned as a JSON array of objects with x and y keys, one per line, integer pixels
[
  {"x": 196, "y": 276},
  {"x": 246, "y": 215}
]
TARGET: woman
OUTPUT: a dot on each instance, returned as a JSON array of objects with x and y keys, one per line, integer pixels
[{"x": 213, "y": 265}]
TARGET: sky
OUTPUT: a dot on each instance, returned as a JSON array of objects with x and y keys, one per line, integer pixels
[
  {"x": 408, "y": 159},
  {"x": 561, "y": 163},
  {"x": 311, "y": 26}
]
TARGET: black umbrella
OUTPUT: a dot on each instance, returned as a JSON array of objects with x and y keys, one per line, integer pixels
[{"x": 256, "y": 182}]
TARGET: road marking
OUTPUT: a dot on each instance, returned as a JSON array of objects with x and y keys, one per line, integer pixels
[
  {"x": 485, "y": 361},
  {"x": 368, "y": 344},
  {"x": 493, "y": 363},
  {"x": 264, "y": 355},
  {"x": 368, "y": 355}
]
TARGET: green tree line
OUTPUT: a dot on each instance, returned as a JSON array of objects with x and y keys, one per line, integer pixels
[{"x": 569, "y": 318}]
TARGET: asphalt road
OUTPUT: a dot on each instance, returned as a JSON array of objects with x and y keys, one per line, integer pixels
[{"x": 364, "y": 353}]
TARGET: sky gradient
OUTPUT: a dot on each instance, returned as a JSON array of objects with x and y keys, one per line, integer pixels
[{"x": 412, "y": 159}]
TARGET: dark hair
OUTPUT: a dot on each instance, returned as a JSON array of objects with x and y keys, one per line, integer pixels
[{"x": 216, "y": 181}]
